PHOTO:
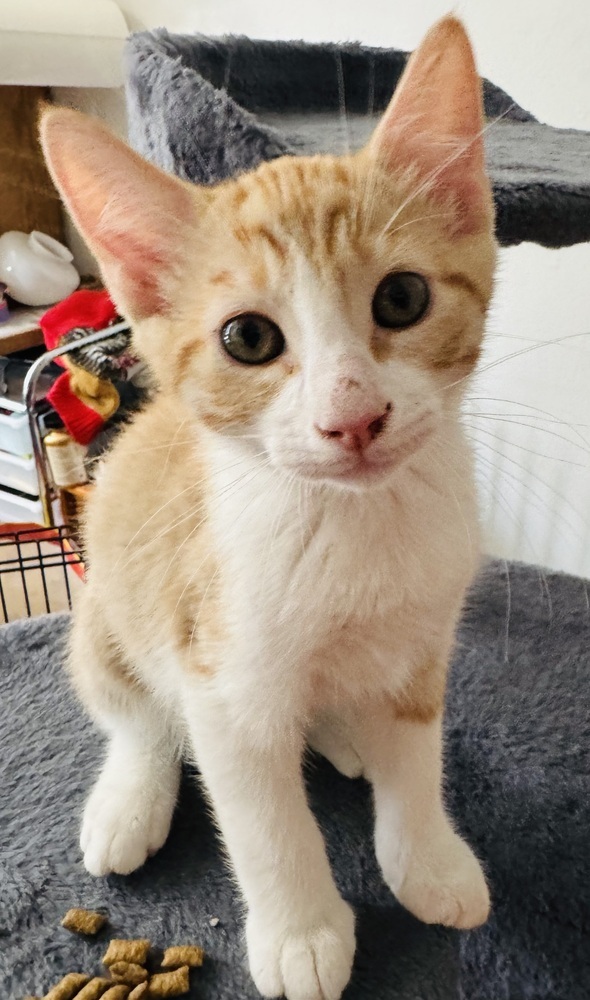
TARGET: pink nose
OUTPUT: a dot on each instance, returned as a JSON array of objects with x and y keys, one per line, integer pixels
[{"x": 355, "y": 434}]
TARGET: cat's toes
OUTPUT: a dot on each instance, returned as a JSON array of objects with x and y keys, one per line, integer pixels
[
  {"x": 444, "y": 884},
  {"x": 123, "y": 826},
  {"x": 303, "y": 962}
]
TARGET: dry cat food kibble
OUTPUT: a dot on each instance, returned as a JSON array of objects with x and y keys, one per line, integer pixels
[
  {"x": 123, "y": 950},
  {"x": 183, "y": 954},
  {"x": 67, "y": 987},
  {"x": 139, "y": 992},
  {"x": 83, "y": 921},
  {"x": 95, "y": 989},
  {"x": 125, "y": 959},
  {"x": 169, "y": 984},
  {"x": 128, "y": 972}
]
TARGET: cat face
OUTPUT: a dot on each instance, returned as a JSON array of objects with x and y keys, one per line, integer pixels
[
  {"x": 326, "y": 335},
  {"x": 323, "y": 311}
]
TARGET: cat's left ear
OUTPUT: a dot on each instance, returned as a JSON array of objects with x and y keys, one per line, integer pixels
[
  {"x": 133, "y": 216},
  {"x": 434, "y": 124}
]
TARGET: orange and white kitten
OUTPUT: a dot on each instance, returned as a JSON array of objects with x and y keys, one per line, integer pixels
[{"x": 280, "y": 544}]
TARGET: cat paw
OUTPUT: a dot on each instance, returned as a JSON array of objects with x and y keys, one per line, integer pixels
[
  {"x": 123, "y": 825},
  {"x": 444, "y": 884},
  {"x": 303, "y": 962}
]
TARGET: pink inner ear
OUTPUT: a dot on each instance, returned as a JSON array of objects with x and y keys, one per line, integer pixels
[
  {"x": 142, "y": 272},
  {"x": 131, "y": 213},
  {"x": 434, "y": 125},
  {"x": 448, "y": 170}
]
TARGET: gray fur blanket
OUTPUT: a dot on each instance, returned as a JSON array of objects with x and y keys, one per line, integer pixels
[
  {"x": 518, "y": 785},
  {"x": 209, "y": 108}
]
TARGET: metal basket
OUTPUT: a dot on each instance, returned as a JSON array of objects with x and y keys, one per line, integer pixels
[{"x": 40, "y": 570}]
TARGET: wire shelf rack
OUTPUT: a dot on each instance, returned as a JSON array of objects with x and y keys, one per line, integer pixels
[{"x": 41, "y": 570}]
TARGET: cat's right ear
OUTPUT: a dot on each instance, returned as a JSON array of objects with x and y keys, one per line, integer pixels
[
  {"x": 434, "y": 125},
  {"x": 131, "y": 214}
]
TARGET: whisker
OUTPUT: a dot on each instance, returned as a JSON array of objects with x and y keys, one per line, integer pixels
[
  {"x": 508, "y": 612},
  {"x": 185, "y": 516},
  {"x": 510, "y": 357},
  {"x": 500, "y": 500},
  {"x": 200, "y": 612},
  {"x": 195, "y": 573},
  {"x": 371, "y": 96},
  {"x": 485, "y": 466},
  {"x": 543, "y": 430},
  {"x": 171, "y": 446},
  {"x": 537, "y": 410},
  {"x": 150, "y": 519},
  {"x": 342, "y": 99},
  {"x": 507, "y": 473},
  {"x": 288, "y": 481},
  {"x": 505, "y": 414},
  {"x": 530, "y": 451},
  {"x": 422, "y": 218},
  {"x": 448, "y": 466},
  {"x": 432, "y": 176},
  {"x": 192, "y": 486}
]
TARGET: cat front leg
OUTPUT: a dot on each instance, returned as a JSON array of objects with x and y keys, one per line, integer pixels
[
  {"x": 427, "y": 865},
  {"x": 300, "y": 933},
  {"x": 128, "y": 813}
]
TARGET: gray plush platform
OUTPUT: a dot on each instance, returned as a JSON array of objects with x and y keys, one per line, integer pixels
[
  {"x": 209, "y": 108},
  {"x": 518, "y": 768}
]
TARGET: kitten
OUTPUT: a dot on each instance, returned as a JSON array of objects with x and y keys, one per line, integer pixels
[{"x": 281, "y": 542}]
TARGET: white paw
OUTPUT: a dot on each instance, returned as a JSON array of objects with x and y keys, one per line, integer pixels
[
  {"x": 125, "y": 823},
  {"x": 303, "y": 962},
  {"x": 444, "y": 884}
]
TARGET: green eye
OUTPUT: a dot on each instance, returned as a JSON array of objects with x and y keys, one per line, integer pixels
[
  {"x": 401, "y": 299},
  {"x": 252, "y": 339}
]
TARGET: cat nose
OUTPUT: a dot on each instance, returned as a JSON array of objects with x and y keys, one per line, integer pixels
[{"x": 356, "y": 433}]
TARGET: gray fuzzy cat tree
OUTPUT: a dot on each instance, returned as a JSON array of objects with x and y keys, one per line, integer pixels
[{"x": 209, "y": 108}]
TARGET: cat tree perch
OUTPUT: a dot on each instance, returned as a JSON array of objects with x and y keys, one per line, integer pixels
[{"x": 209, "y": 108}]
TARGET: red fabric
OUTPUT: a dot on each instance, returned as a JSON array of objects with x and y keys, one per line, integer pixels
[
  {"x": 81, "y": 421},
  {"x": 91, "y": 309},
  {"x": 94, "y": 310}
]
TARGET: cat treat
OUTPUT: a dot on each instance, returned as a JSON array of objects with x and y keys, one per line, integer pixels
[
  {"x": 95, "y": 989},
  {"x": 183, "y": 954},
  {"x": 139, "y": 991},
  {"x": 128, "y": 972},
  {"x": 118, "y": 992},
  {"x": 68, "y": 987},
  {"x": 125, "y": 959},
  {"x": 123, "y": 950},
  {"x": 169, "y": 984},
  {"x": 83, "y": 921}
]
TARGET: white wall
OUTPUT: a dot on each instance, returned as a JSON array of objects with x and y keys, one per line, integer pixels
[{"x": 539, "y": 54}]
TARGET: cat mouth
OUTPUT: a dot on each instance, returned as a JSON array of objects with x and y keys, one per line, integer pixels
[{"x": 362, "y": 466}]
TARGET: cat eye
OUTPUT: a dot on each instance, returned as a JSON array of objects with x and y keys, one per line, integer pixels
[
  {"x": 401, "y": 299},
  {"x": 252, "y": 339}
]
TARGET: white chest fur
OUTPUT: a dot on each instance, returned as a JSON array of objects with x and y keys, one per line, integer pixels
[{"x": 335, "y": 588}]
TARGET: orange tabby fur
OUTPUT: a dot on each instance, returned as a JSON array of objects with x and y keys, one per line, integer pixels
[{"x": 227, "y": 609}]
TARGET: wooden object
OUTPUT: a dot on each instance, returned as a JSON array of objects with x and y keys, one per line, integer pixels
[{"x": 28, "y": 198}]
